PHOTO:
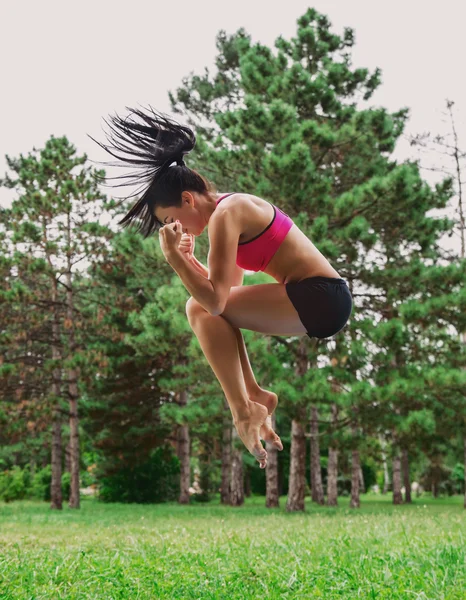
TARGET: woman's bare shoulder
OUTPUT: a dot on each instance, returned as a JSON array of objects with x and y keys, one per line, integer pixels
[
  {"x": 249, "y": 212},
  {"x": 240, "y": 203}
]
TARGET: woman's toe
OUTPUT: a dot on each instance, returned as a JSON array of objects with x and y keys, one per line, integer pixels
[{"x": 277, "y": 443}]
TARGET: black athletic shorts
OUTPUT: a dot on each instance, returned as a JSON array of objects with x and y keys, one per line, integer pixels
[{"x": 323, "y": 304}]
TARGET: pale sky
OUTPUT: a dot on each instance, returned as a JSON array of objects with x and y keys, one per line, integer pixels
[{"x": 66, "y": 65}]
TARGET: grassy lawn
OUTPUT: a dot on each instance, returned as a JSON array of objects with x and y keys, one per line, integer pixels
[{"x": 215, "y": 552}]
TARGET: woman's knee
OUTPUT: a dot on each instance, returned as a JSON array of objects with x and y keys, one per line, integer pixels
[{"x": 193, "y": 308}]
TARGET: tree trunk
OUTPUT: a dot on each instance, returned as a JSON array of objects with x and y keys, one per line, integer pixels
[
  {"x": 74, "y": 442},
  {"x": 68, "y": 458},
  {"x": 355, "y": 470},
  {"x": 237, "y": 481},
  {"x": 205, "y": 457},
  {"x": 386, "y": 476},
  {"x": 406, "y": 479},
  {"x": 56, "y": 499},
  {"x": 183, "y": 453},
  {"x": 317, "y": 490},
  {"x": 55, "y": 484},
  {"x": 226, "y": 455},
  {"x": 271, "y": 474},
  {"x": 397, "y": 497},
  {"x": 297, "y": 480},
  {"x": 183, "y": 445},
  {"x": 73, "y": 394},
  {"x": 332, "y": 476},
  {"x": 332, "y": 467}
]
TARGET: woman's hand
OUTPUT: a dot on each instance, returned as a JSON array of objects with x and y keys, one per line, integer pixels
[
  {"x": 170, "y": 237},
  {"x": 186, "y": 246}
]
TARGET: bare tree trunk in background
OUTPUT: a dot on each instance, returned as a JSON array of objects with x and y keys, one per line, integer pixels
[
  {"x": 386, "y": 476},
  {"x": 332, "y": 476},
  {"x": 406, "y": 478},
  {"x": 237, "y": 481},
  {"x": 355, "y": 502},
  {"x": 74, "y": 440},
  {"x": 56, "y": 499},
  {"x": 397, "y": 496},
  {"x": 73, "y": 374},
  {"x": 271, "y": 474},
  {"x": 183, "y": 453},
  {"x": 332, "y": 467},
  {"x": 297, "y": 477},
  {"x": 317, "y": 489},
  {"x": 226, "y": 454},
  {"x": 68, "y": 458},
  {"x": 355, "y": 471},
  {"x": 205, "y": 469},
  {"x": 297, "y": 480}
]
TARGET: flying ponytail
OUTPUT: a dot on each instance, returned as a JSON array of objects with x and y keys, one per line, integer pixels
[{"x": 151, "y": 142}]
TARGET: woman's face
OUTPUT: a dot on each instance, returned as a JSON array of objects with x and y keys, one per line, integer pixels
[{"x": 189, "y": 215}]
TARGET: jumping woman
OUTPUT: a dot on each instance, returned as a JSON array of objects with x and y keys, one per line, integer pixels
[{"x": 245, "y": 232}]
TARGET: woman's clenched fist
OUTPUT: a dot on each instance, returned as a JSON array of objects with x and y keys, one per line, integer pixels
[{"x": 186, "y": 245}]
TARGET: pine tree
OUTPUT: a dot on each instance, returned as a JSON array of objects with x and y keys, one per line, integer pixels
[
  {"x": 281, "y": 124},
  {"x": 51, "y": 222},
  {"x": 285, "y": 125},
  {"x": 448, "y": 149}
]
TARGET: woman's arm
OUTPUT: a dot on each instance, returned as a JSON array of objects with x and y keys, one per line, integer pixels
[
  {"x": 200, "y": 287},
  {"x": 239, "y": 276},
  {"x": 200, "y": 268}
]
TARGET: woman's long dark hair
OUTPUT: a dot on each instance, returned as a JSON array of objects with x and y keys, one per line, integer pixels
[{"x": 152, "y": 145}]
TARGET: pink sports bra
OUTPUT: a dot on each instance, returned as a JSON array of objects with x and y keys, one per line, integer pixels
[{"x": 255, "y": 254}]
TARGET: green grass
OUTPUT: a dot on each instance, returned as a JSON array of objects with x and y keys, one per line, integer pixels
[{"x": 215, "y": 552}]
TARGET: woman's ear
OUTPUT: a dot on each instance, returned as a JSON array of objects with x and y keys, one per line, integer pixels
[{"x": 187, "y": 197}]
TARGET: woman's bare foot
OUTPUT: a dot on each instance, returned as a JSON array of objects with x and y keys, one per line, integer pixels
[
  {"x": 248, "y": 430},
  {"x": 266, "y": 398},
  {"x": 270, "y": 401}
]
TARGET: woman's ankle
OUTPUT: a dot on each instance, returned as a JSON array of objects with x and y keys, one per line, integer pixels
[
  {"x": 255, "y": 392},
  {"x": 242, "y": 412}
]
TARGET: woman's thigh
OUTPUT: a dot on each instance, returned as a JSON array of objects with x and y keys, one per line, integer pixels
[
  {"x": 316, "y": 306},
  {"x": 264, "y": 308}
]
